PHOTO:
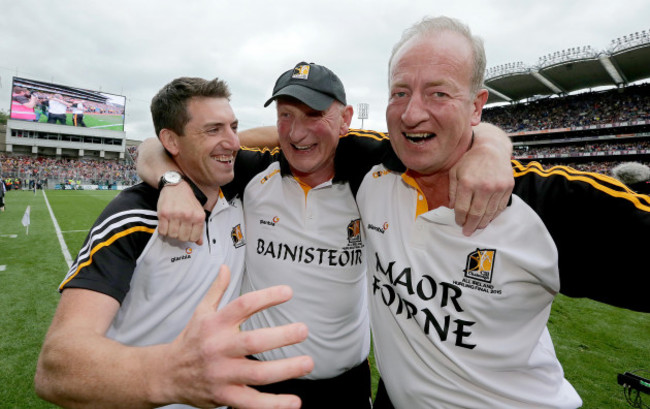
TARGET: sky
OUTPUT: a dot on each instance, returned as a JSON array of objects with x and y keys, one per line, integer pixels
[{"x": 133, "y": 48}]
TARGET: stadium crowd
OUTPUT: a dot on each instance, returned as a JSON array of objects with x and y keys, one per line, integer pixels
[
  {"x": 594, "y": 108},
  {"x": 534, "y": 152},
  {"x": 604, "y": 167},
  {"x": 20, "y": 170}
]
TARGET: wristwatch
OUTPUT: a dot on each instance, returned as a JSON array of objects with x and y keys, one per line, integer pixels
[{"x": 170, "y": 178}]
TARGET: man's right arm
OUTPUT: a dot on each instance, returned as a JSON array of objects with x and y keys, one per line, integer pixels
[
  {"x": 260, "y": 137},
  {"x": 205, "y": 366},
  {"x": 180, "y": 215}
]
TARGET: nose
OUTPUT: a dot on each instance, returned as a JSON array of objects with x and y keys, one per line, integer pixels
[
  {"x": 232, "y": 140},
  {"x": 298, "y": 130},
  {"x": 415, "y": 112}
]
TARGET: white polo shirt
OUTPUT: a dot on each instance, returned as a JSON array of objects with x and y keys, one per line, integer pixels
[
  {"x": 460, "y": 322},
  {"x": 158, "y": 281},
  {"x": 57, "y": 107},
  {"x": 311, "y": 240}
]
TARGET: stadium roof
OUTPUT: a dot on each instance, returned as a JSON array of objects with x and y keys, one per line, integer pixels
[
  {"x": 626, "y": 60},
  {"x": 61, "y": 89}
]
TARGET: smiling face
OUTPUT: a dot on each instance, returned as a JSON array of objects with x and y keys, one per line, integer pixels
[
  {"x": 206, "y": 150},
  {"x": 432, "y": 108},
  {"x": 309, "y": 138}
]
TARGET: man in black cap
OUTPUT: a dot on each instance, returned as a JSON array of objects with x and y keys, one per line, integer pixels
[{"x": 303, "y": 229}]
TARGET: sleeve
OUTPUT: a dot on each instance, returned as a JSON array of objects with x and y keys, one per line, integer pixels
[
  {"x": 108, "y": 257},
  {"x": 600, "y": 228},
  {"x": 248, "y": 163},
  {"x": 358, "y": 151}
]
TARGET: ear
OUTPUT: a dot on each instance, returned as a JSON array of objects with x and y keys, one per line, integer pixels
[
  {"x": 479, "y": 101},
  {"x": 169, "y": 140},
  {"x": 347, "y": 114}
]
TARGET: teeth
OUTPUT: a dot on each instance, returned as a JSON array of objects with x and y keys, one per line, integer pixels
[
  {"x": 224, "y": 158},
  {"x": 419, "y": 135},
  {"x": 418, "y": 138},
  {"x": 302, "y": 148}
]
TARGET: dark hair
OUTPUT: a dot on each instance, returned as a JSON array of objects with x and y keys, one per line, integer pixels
[{"x": 169, "y": 106}]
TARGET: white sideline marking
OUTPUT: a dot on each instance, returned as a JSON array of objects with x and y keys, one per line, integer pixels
[
  {"x": 11, "y": 236},
  {"x": 3, "y": 268},
  {"x": 64, "y": 247}
]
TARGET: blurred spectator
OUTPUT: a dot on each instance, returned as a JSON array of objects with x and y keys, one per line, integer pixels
[
  {"x": 635, "y": 175},
  {"x": 22, "y": 104},
  {"x": 3, "y": 189}
]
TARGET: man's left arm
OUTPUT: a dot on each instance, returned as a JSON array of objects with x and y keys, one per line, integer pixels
[{"x": 481, "y": 183}]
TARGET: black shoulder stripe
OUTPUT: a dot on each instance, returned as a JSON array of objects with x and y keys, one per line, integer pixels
[
  {"x": 363, "y": 133},
  {"x": 122, "y": 221}
]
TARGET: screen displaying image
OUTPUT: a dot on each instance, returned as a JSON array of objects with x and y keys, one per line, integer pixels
[{"x": 37, "y": 101}]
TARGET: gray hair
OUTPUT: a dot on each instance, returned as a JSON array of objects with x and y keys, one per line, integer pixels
[
  {"x": 435, "y": 25},
  {"x": 631, "y": 172}
]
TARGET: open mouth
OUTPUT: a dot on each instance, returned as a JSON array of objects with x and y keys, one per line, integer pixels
[
  {"x": 418, "y": 138},
  {"x": 302, "y": 147},
  {"x": 224, "y": 158}
]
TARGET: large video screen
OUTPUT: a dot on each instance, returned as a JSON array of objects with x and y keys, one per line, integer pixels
[{"x": 37, "y": 101}]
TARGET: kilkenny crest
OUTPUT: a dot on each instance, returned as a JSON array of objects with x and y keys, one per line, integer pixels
[
  {"x": 480, "y": 265},
  {"x": 354, "y": 231},
  {"x": 237, "y": 236}
]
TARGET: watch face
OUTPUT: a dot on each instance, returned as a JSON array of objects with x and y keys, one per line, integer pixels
[{"x": 172, "y": 177}]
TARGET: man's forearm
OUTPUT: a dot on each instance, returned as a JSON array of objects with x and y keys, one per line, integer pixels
[
  {"x": 261, "y": 137},
  {"x": 481, "y": 182},
  {"x": 488, "y": 135},
  {"x": 74, "y": 374},
  {"x": 153, "y": 161},
  {"x": 80, "y": 367}
]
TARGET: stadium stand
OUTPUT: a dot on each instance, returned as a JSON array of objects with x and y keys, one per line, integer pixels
[
  {"x": 579, "y": 107},
  {"x": 592, "y": 131}
]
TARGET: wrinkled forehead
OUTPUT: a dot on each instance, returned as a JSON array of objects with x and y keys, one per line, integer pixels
[{"x": 444, "y": 48}]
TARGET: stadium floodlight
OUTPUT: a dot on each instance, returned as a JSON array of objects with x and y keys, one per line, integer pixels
[
  {"x": 508, "y": 68},
  {"x": 630, "y": 41},
  {"x": 363, "y": 112}
]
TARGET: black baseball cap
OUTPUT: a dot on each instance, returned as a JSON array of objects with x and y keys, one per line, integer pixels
[{"x": 313, "y": 84}]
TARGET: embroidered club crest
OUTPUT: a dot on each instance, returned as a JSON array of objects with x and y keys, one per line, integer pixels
[{"x": 480, "y": 265}]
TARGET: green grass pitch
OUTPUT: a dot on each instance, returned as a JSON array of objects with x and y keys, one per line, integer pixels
[
  {"x": 593, "y": 341},
  {"x": 111, "y": 122}
]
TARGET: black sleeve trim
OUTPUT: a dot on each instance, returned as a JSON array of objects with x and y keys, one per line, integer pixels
[
  {"x": 248, "y": 163},
  {"x": 600, "y": 228}
]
